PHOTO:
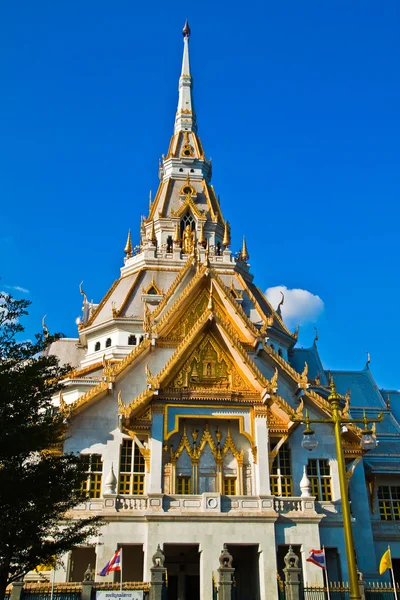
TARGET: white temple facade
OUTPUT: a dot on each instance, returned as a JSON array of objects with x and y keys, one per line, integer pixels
[{"x": 184, "y": 395}]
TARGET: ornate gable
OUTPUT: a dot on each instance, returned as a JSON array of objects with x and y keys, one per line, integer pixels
[{"x": 209, "y": 366}]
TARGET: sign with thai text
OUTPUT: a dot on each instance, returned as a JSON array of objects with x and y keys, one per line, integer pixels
[{"x": 118, "y": 595}]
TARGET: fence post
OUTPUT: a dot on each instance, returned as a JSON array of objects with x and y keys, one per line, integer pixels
[
  {"x": 157, "y": 577},
  {"x": 361, "y": 585},
  {"x": 87, "y": 584},
  {"x": 17, "y": 589},
  {"x": 292, "y": 575},
  {"x": 226, "y": 572}
]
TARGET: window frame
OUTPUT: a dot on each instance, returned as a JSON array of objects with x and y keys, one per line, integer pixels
[
  {"x": 280, "y": 481},
  {"x": 321, "y": 483},
  {"x": 132, "y": 469},
  {"x": 94, "y": 477},
  {"x": 228, "y": 482},
  {"x": 183, "y": 484},
  {"x": 389, "y": 506}
]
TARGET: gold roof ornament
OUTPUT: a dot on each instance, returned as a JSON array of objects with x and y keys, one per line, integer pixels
[
  {"x": 303, "y": 383},
  {"x": 152, "y": 236},
  {"x": 244, "y": 255},
  {"x": 368, "y": 360},
  {"x": 201, "y": 239},
  {"x": 128, "y": 245},
  {"x": 177, "y": 236},
  {"x": 274, "y": 380},
  {"x": 146, "y": 318},
  {"x": 45, "y": 328},
  {"x": 316, "y": 336},
  {"x": 296, "y": 333},
  {"x": 82, "y": 293},
  {"x": 150, "y": 201},
  {"x": 227, "y": 235}
]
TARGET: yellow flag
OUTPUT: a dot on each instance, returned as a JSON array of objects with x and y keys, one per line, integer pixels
[{"x": 386, "y": 562}]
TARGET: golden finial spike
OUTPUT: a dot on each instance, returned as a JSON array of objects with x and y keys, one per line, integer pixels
[
  {"x": 152, "y": 236},
  {"x": 150, "y": 201},
  {"x": 244, "y": 253},
  {"x": 177, "y": 238},
  {"x": 188, "y": 178},
  {"x": 128, "y": 245},
  {"x": 316, "y": 336},
  {"x": 45, "y": 328},
  {"x": 227, "y": 235},
  {"x": 201, "y": 239}
]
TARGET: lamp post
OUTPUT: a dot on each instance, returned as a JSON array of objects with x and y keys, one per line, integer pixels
[{"x": 368, "y": 442}]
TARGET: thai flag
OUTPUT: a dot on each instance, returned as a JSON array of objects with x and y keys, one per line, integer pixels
[
  {"x": 318, "y": 558},
  {"x": 113, "y": 565}
]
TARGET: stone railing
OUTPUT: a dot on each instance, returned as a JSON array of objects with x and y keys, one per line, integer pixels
[{"x": 210, "y": 502}]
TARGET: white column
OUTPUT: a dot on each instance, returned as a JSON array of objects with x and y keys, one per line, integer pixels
[
  {"x": 156, "y": 453},
  {"x": 263, "y": 487}
]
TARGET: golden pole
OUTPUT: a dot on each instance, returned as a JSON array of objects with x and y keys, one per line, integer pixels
[{"x": 334, "y": 399}]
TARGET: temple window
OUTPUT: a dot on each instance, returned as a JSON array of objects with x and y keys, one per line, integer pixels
[
  {"x": 131, "y": 469},
  {"x": 132, "y": 340},
  {"x": 230, "y": 486},
  {"x": 94, "y": 474},
  {"x": 319, "y": 473},
  {"x": 187, "y": 219},
  {"x": 97, "y": 346},
  {"x": 389, "y": 502},
  {"x": 108, "y": 342},
  {"x": 169, "y": 244},
  {"x": 183, "y": 485},
  {"x": 281, "y": 473},
  {"x": 152, "y": 290}
]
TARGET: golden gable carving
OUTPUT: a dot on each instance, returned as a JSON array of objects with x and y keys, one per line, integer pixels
[{"x": 209, "y": 366}]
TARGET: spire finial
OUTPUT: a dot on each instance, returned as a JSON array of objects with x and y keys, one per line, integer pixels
[
  {"x": 152, "y": 237},
  {"x": 186, "y": 29},
  {"x": 244, "y": 255},
  {"x": 227, "y": 235},
  {"x": 185, "y": 117},
  {"x": 128, "y": 245}
]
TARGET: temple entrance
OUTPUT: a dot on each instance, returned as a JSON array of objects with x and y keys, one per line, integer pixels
[
  {"x": 182, "y": 562},
  {"x": 79, "y": 561},
  {"x": 246, "y": 563}
]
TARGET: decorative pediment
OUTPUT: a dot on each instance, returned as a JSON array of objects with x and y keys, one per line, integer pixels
[{"x": 210, "y": 366}]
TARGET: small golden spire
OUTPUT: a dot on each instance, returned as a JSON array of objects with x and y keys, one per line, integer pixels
[
  {"x": 244, "y": 255},
  {"x": 82, "y": 293},
  {"x": 177, "y": 238},
  {"x": 227, "y": 235},
  {"x": 128, "y": 245},
  {"x": 152, "y": 236},
  {"x": 188, "y": 178},
  {"x": 201, "y": 239}
]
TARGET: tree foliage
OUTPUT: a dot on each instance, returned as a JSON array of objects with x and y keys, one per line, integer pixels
[{"x": 38, "y": 484}]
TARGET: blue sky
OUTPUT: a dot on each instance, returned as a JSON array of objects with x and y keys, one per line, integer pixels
[{"x": 298, "y": 106}]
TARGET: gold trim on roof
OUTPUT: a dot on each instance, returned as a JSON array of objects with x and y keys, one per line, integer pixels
[
  {"x": 100, "y": 306},
  {"x": 151, "y": 285},
  {"x": 188, "y": 203},
  {"x": 129, "y": 293},
  {"x": 156, "y": 312}
]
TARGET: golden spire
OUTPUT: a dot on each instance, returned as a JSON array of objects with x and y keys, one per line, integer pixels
[
  {"x": 244, "y": 255},
  {"x": 128, "y": 245},
  {"x": 177, "y": 238},
  {"x": 227, "y": 235},
  {"x": 152, "y": 236},
  {"x": 201, "y": 239}
]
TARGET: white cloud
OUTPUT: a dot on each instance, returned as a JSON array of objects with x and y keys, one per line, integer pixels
[
  {"x": 299, "y": 307},
  {"x": 17, "y": 288}
]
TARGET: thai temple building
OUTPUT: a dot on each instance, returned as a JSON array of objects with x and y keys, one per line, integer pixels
[{"x": 186, "y": 394}]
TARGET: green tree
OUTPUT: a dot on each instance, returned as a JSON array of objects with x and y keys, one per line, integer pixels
[{"x": 38, "y": 484}]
